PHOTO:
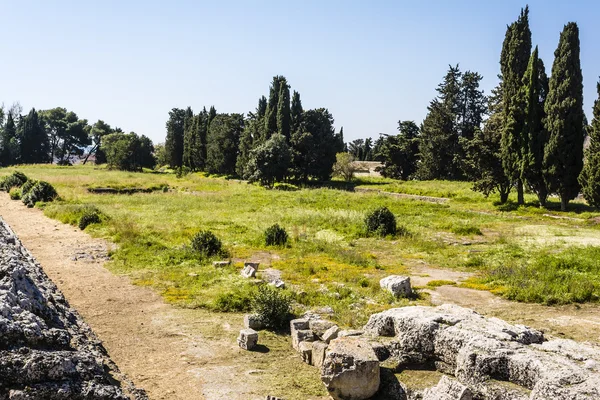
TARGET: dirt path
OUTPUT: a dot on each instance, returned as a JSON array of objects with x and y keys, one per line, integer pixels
[{"x": 172, "y": 353}]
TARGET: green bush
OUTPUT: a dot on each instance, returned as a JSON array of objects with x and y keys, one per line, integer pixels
[
  {"x": 15, "y": 194},
  {"x": 16, "y": 179},
  {"x": 275, "y": 235},
  {"x": 272, "y": 306},
  {"x": 88, "y": 218},
  {"x": 206, "y": 243},
  {"x": 27, "y": 186},
  {"x": 41, "y": 191},
  {"x": 237, "y": 300},
  {"x": 381, "y": 222}
]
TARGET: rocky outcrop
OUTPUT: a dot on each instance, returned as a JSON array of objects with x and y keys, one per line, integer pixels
[
  {"x": 46, "y": 350},
  {"x": 490, "y": 357}
]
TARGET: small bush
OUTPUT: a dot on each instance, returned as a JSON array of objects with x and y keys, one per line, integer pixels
[
  {"x": 272, "y": 306},
  {"x": 381, "y": 222},
  {"x": 237, "y": 300},
  {"x": 16, "y": 179},
  {"x": 88, "y": 218},
  {"x": 15, "y": 194},
  {"x": 275, "y": 235},
  {"x": 27, "y": 186},
  {"x": 206, "y": 243},
  {"x": 41, "y": 191}
]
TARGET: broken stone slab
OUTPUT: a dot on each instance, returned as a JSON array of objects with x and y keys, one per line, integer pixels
[
  {"x": 398, "y": 285},
  {"x": 248, "y": 339},
  {"x": 278, "y": 283},
  {"x": 320, "y": 326},
  {"x": 298, "y": 324},
  {"x": 251, "y": 264},
  {"x": 249, "y": 271},
  {"x": 330, "y": 334},
  {"x": 319, "y": 350},
  {"x": 350, "y": 369},
  {"x": 305, "y": 350},
  {"x": 303, "y": 335},
  {"x": 221, "y": 264},
  {"x": 448, "y": 389},
  {"x": 252, "y": 321},
  {"x": 350, "y": 332}
]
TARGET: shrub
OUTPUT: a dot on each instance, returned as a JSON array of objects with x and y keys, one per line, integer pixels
[
  {"x": 381, "y": 222},
  {"x": 88, "y": 218},
  {"x": 16, "y": 179},
  {"x": 27, "y": 186},
  {"x": 275, "y": 235},
  {"x": 466, "y": 230},
  {"x": 237, "y": 300},
  {"x": 272, "y": 306},
  {"x": 41, "y": 191},
  {"x": 15, "y": 194},
  {"x": 206, "y": 243}
]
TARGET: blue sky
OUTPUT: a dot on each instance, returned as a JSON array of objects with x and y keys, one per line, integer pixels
[{"x": 371, "y": 63}]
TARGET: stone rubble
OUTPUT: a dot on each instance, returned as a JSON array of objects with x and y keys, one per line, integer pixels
[
  {"x": 47, "y": 351},
  {"x": 250, "y": 269},
  {"x": 248, "y": 339},
  {"x": 397, "y": 285}
]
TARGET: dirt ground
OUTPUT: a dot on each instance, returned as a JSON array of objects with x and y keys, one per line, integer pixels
[{"x": 176, "y": 353}]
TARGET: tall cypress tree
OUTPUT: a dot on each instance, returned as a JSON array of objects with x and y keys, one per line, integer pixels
[
  {"x": 188, "y": 138},
  {"x": 535, "y": 89},
  {"x": 271, "y": 111},
  {"x": 261, "y": 110},
  {"x": 10, "y": 147},
  {"x": 174, "y": 140},
  {"x": 563, "y": 158},
  {"x": 283, "y": 110},
  {"x": 296, "y": 111},
  {"x": 590, "y": 176},
  {"x": 514, "y": 59}
]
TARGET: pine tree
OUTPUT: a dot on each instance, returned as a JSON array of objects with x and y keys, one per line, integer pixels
[
  {"x": 271, "y": 111},
  {"x": 590, "y": 176},
  {"x": 9, "y": 154},
  {"x": 34, "y": 143},
  {"x": 174, "y": 140},
  {"x": 563, "y": 157},
  {"x": 439, "y": 144},
  {"x": 535, "y": 89},
  {"x": 471, "y": 104},
  {"x": 189, "y": 138},
  {"x": 514, "y": 59},
  {"x": 296, "y": 112},
  {"x": 212, "y": 113},
  {"x": 283, "y": 110}
]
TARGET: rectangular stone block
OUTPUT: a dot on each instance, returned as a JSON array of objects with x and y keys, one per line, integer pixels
[{"x": 318, "y": 353}]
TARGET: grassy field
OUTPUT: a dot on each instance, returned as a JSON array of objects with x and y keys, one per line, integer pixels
[{"x": 523, "y": 253}]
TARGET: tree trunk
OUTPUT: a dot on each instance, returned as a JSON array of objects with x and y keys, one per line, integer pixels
[
  {"x": 520, "y": 196},
  {"x": 504, "y": 196},
  {"x": 93, "y": 149},
  {"x": 563, "y": 203}
]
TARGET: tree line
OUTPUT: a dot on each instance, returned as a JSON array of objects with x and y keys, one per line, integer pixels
[
  {"x": 528, "y": 133},
  {"x": 279, "y": 141},
  {"x": 57, "y": 135}
]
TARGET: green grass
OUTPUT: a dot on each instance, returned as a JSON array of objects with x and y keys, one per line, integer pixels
[
  {"x": 328, "y": 261},
  {"x": 440, "y": 282}
]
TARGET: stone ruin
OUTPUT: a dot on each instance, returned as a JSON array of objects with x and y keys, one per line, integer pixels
[
  {"x": 47, "y": 350},
  {"x": 471, "y": 356}
]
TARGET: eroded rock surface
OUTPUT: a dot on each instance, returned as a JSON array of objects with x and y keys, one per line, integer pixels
[
  {"x": 46, "y": 350},
  {"x": 490, "y": 357}
]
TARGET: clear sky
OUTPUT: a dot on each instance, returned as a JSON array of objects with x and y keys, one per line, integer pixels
[{"x": 371, "y": 63}]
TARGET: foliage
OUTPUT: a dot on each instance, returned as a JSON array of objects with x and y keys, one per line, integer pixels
[
  {"x": 283, "y": 110},
  {"x": 270, "y": 161},
  {"x": 272, "y": 306},
  {"x": 16, "y": 179},
  {"x": 399, "y": 154},
  {"x": 41, "y": 191},
  {"x": 9, "y": 145},
  {"x": 223, "y": 143},
  {"x": 275, "y": 235},
  {"x": 88, "y": 218},
  {"x": 563, "y": 158},
  {"x": 270, "y": 119},
  {"x": 27, "y": 186},
  {"x": 590, "y": 175},
  {"x": 67, "y": 133},
  {"x": 128, "y": 152},
  {"x": 381, "y": 222},
  {"x": 344, "y": 166},
  {"x": 207, "y": 244},
  {"x": 97, "y": 132},
  {"x": 15, "y": 194},
  {"x": 33, "y": 140},
  {"x": 239, "y": 299},
  {"x": 174, "y": 140}
]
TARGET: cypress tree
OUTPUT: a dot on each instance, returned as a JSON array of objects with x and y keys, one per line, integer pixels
[
  {"x": 514, "y": 59},
  {"x": 203, "y": 120},
  {"x": 535, "y": 88},
  {"x": 174, "y": 140},
  {"x": 10, "y": 149},
  {"x": 296, "y": 111},
  {"x": 34, "y": 143},
  {"x": 563, "y": 157},
  {"x": 188, "y": 138},
  {"x": 283, "y": 110},
  {"x": 271, "y": 111},
  {"x": 261, "y": 110},
  {"x": 590, "y": 176}
]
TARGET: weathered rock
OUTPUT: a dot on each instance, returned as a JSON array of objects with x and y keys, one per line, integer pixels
[
  {"x": 47, "y": 350},
  {"x": 381, "y": 351},
  {"x": 350, "y": 332},
  {"x": 318, "y": 353},
  {"x": 448, "y": 389},
  {"x": 305, "y": 350},
  {"x": 480, "y": 351},
  {"x": 249, "y": 271},
  {"x": 252, "y": 321},
  {"x": 248, "y": 339},
  {"x": 304, "y": 335},
  {"x": 298, "y": 324},
  {"x": 278, "y": 283},
  {"x": 320, "y": 326},
  {"x": 398, "y": 285},
  {"x": 221, "y": 264},
  {"x": 330, "y": 334},
  {"x": 350, "y": 370}
]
